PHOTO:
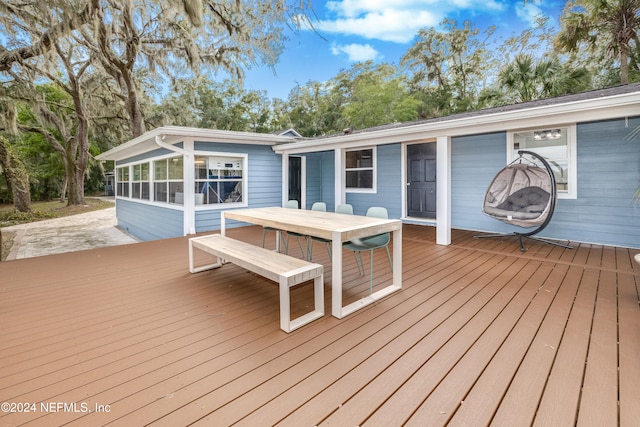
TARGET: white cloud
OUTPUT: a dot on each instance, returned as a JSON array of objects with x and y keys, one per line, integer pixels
[
  {"x": 529, "y": 13},
  {"x": 398, "y": 26},
  {"x": 357, "y": 52},
  {"x": 395, "y": 20}
]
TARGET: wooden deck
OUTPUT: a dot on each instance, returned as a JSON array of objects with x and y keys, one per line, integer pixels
[{"x": 480, "y": 334}]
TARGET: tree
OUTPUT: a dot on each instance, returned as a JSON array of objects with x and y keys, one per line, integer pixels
[
  {"x": 528, "y": 79},
  {"x": 129, "y": 41},
  {"x": 377, "y": 95},
  {"x": 608, "y": 26},
  {"x": 207, "y": 104},
  {"x": 450, "y": 66},
  {"x": 16, "y": 175},
  {"x": 314, "y": 109}
]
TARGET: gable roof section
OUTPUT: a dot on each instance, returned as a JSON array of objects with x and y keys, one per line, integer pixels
[
  {"x": 175, "y": 134},
  {"x": 615, "y": 102}
]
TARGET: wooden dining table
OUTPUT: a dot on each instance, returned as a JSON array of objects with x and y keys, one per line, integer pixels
[{"x": 337, "y": 228}]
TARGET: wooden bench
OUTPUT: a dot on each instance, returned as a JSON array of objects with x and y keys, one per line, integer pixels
[{"x": 287, "y": 271}]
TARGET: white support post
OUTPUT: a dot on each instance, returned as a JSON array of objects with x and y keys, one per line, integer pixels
[{"x": 443, "y": 191}]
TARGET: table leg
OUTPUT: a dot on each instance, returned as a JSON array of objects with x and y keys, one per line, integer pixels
[
  {"x": 397, "y": 258},
  {"x": 336, "y": 275},
  {"x": 340, "y": 312}
]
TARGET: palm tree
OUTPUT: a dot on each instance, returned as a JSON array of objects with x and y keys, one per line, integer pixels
[
  {"x": 615, "y": 23},
  {"x": 529, "y": 79}
]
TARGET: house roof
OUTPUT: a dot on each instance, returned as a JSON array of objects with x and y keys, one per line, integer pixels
[
  {"x": 172, "y": 135},
  {"x": 602, "y": 104}
]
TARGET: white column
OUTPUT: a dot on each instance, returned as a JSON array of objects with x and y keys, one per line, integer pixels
[
  {"x": 338, "y": 161},
  {"x": 285, "y": 178},
  {"x": 189, "y": 185},
  {"x": 443, "y": 191}
]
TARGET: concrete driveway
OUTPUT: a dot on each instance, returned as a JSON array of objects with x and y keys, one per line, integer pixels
[{"x": 69, "y": 234}]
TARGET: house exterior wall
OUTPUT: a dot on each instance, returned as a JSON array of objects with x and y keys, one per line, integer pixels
[
  {"x": 264, "y": 179},
  {"x": 152, "y": 221},
  {"x": 320, "y": 179},
  {"x": 608, "y": 176},
  {"x": 149, "y": 222},
  {"x": 389, "y": 184},
  {"x": 608, "y": 167}
]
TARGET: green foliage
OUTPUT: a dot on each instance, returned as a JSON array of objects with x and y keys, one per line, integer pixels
[
  {"x": 448, "y": 69},
  {"x": 527, "y": 79},
  {"x": 607, "y": 29}
]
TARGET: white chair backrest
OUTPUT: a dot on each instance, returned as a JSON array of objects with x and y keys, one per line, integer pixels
[
  {"x": 344, "y": 209},
  {"x": 291, "y": 204},
  {"x": 319, "y": 206}
]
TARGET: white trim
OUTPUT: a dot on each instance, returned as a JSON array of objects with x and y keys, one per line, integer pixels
[
  {"x": 285, "y": 180},
  {"x": 404, "y": 184},
  {"x": 443, "y": 190},
  {"x": 374, "y": 169},
  {"x": 339, "y": 194},
  {"x": 175, "y": 134},
  {"x": 594, "y": 109},
  {"x": 572, "y": 155},
  {"x": 245, "y": 181},
  {"x": 303, "y": 180}
]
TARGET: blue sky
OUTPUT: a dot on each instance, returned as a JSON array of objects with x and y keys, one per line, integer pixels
[{"x": 381, "y": 30}]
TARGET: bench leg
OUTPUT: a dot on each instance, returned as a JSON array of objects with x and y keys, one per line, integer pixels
[
  {"x": 194, "y": 269},
  {"x": 288, "y": 325}
]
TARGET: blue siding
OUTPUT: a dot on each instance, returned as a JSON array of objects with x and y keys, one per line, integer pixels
[
  {"x": 320, "y": 181},
  {"x": 265, "y": 181},
  {"x": 608, "y": 176},
  {"x": 389, "y": 179},
  {"x": 149, "y": 222},
  {"x": 475, "y": 160}
]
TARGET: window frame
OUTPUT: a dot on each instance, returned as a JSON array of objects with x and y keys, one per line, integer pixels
[
  {"x": 168, "y": 180},
  {"x": 121, "y": 184},
  {"x": 373, "y": 168},
  {"x": 245, "y": 180},
  {"x": 572, "y": 161},
  {"x": 133, "y": 181}
]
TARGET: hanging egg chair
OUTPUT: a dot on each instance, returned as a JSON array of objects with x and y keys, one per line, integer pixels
[{"x": 523, "y": 194}]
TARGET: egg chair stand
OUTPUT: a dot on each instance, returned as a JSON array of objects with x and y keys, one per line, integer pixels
[{"x": 523, "y": 194}]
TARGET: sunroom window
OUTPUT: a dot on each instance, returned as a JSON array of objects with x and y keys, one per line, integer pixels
[
  {"x": 140, "y": 181},
  {"x": 168, "y": 184},
  {"x": 558, "y": 146},
  {"x": 360, "y": 170},
  {"x": 122, "y": 187},
  {"x": 219, "y": 179}
]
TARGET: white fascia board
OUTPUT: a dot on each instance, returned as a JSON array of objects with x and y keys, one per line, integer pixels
[
  {"x": 617, "y": 106},
  {"x": 175, "y": 134}
]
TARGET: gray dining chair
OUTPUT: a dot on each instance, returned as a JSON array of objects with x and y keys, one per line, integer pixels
[
  {"x": 321, "y": 207},
  {"x": 370, "y": 244},
  {"x": 344, "y": 208},
  {"x": 293, "y": 204}
]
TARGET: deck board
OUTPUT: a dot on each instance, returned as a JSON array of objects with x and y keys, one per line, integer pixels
[
  {"x": 599, "y": 400},
  {"x": 480, "y": 333}
]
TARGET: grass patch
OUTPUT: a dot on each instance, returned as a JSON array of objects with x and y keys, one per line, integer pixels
[
  {"x": 48, "y": 210},
  {"x": 41, "y": 211}
]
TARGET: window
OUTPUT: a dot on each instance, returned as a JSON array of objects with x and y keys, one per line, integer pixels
[
  {"x": 168, "y": 180},
  {"x": 219, "y": 179},
  {"x": 558, "y": 146},
  {"x": 122, "y": 188},
  {"x": 140, "y": 181},
  {"x": 360, "y": 170}
]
